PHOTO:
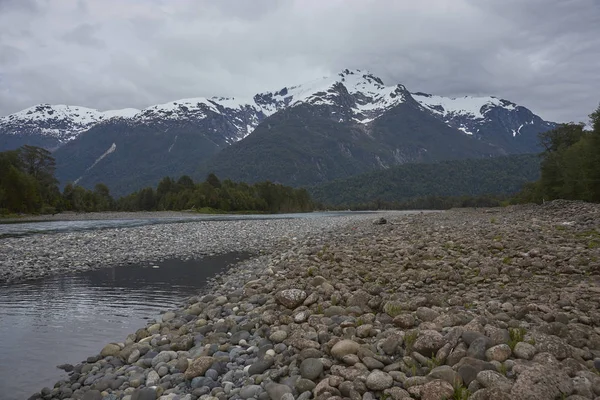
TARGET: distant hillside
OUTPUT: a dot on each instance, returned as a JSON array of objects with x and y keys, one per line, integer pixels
[{"x": 473, "y": 177}]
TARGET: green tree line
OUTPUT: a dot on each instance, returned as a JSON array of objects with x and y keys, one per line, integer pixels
[
  {"x": 570, "y": 166},
  {"x": 28, "y": 185}
]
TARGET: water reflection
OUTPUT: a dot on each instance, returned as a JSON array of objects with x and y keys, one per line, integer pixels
[{"x": 65, "y": 319}]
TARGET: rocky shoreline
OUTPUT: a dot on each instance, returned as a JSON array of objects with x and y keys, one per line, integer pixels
[
  {"x": 39, "y": 255},
  {"x": 497, "y": 304}
]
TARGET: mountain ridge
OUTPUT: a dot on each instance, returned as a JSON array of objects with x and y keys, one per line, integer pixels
[
  {"x": 340, "y": 125},
  {"x": 65, "y": 122}
]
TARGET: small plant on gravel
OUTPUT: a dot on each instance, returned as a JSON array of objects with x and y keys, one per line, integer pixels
[
  {"x": 560, "y": 227},
  {"x": 469, "y": 306},
  {"x": 319, "y": 309},
  {"x": 392, "y": 309},
  {"x": 433, "y": 362},
  {"x": 413, "y": 370},
  {"x": 410, "y": 338},
  {"x": 516, "y": 336},
  {"x": 507, "y": 260},
  {"x": 460, "y": 393},
  {"x": 493, "y": 220},
  {"x": 311, "y": 271},
  {"x": 360, "y": 322},
  {"x": 502, "y": 369}
]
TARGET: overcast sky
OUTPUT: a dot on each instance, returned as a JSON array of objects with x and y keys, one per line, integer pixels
[{"x": 107, "y": 54}]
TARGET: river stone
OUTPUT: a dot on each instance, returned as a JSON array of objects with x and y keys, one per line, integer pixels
[
  {"x": 553, "y": 345},
  {"x": 198, "y": 367},
  {"x": 437, "y": 390},
  {"x": 250, "y": 391},
  {"x": 428, "y": 343},
  {"x": 111, "y": 349},
  {"x": 92, "y": 395},
  {"x": 379, "y": 380},
  {"x": 372, "y": 363},
  {"x": 304, "y": 385},
  {"x": 276, "y": 391},
  {"x": 493, "y": 379},
  {"x": 311, "y": 368},
  {"x": 524, "y": 351},
  {"x": 153, "y": 378},
  {"x": 499, "y": 353},
  {"x": 144, "y": 394},
  {"x": 261, "y": 366},
  {"x": 490, "y": 394},
  {"x": 477, "y": 348},
  {"x": 541, "y": 382},
  {"x": 278, "y": 336},
  {"x": 344, "y": 347},
  {"x": 446, "y": 373},
  {"x": 291, "y": 298}
]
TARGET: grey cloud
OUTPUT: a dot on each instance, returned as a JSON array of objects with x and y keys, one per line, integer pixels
[
  {"x": 542, "y": 54},
  {"x": 84, "y": 35}
]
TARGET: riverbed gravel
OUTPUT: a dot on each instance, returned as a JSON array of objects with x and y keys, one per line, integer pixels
[
  {"x": 39, "y": 255},
  {"x": 481, "y": 304}
]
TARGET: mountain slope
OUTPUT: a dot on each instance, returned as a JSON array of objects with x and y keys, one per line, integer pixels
[
  {"x": 340, "y": 131},
  {"x": 474, "y": 177},
  {"x": 50, "y": 126},
  {"x": 490, "y": 119},
  {"x": 325, "y": 129}
]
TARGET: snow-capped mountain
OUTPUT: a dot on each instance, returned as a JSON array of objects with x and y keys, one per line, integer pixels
[
  {"x": 350, "y": 96},
  {"x": 355, "y": 114}
]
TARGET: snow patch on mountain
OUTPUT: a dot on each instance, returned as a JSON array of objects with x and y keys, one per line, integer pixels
[
  {"x": 111, "y": 149},
  {"x": 474, "y": 107},
  {"x": 370, "y": 97}
]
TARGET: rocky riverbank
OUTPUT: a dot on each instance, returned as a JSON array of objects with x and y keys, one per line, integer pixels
[
  {"x": 39, "y": 255},
  {"x": 503, "y": 304}
]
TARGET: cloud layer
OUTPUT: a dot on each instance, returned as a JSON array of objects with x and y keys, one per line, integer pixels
[{"x": 107, "y": 54}]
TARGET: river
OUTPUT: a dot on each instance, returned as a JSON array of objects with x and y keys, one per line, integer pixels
[{"x": 66, "y": 318}]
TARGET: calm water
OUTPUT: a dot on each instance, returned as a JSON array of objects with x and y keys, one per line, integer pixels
[
  {"x": 28, "y": 228},
  {"x": 65, "y": 319}
]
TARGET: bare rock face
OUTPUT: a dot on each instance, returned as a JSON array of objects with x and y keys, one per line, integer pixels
[{"x": 291, "y": 298}]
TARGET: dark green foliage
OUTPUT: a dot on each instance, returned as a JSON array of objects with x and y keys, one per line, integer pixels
[
  {"x": 27, "y": 181},
  {"x": 213, "y": 194},
  {"x": 438, "y": 185},
  {"x": 570, "y": 167},
  {"x": 27, "y": 185}
]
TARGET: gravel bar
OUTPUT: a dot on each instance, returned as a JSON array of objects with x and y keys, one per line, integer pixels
[
  {"x": 493, "y": 304},
  {"x": 39, "y": 255}
]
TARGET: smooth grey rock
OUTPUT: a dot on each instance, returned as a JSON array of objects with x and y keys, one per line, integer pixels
[
  {"x": 379, "y": 380},
  {"x": 311, "y": 368}
]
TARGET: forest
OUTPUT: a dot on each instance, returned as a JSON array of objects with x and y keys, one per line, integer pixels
[
  {"x": 570, "y": 165},
  {"x": 28, "y": 186},
  {"x": 568, "y": 168}
]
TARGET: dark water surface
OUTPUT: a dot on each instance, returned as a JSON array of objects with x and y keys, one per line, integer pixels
[{"x": 65, "y": 319}]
